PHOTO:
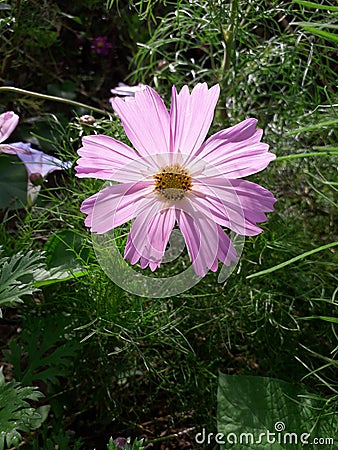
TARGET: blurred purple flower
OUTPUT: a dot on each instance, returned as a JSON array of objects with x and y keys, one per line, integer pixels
[
  {"x": 8, "y": 122},
  {"x": 121, "y": 442},
  {"x": 101, "y": 45}
]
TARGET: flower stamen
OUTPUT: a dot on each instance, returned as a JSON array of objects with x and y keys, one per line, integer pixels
[{"x": 173, "y": 182}]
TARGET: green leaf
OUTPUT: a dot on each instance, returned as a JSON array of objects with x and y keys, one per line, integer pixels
[
  {"x": 316, "y": 5},
  {"x": 47, "y": 352},
  {"x": 292, "y": 260},
  {"x": 314, "y": 127},
  {"x": 17, "y": 276},
  {"x": 66, "y": 258},
  {"x": 325, "y": 34},
  {"x": 261, "y": 413},
  {"x": 66, "y": 248},
  {"x": 67, "y": 89},
  {"x": 16, "y": 414},
  {"x": 325, "y": 318},
  {"x": 13, "y": 182},
  {"x": 316, "y": 25}
]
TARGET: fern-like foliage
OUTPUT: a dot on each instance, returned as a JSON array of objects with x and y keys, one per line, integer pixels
[
  {"x": 45, "y": 349},
  {"x": 16, "y": 414},
  {"x": 17, "y": 276}
]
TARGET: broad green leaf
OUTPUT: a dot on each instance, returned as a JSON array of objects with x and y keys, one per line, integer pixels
[
  {"x": 66, "y": 248},
  {"x": 66, "y": 258},
  {"x": 13, "y": 182},
  {"x": 259, "y": 413}
]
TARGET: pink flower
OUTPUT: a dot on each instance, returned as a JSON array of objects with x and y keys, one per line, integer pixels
[
  {"x": 124, "y": 90},
  {"x": 175, "y": 176},
  {"x": 38, "y": 165},
  {"x": 38, "y": 162},
  {"x": 101, "y": 45},
  {"x": 8, "y": 122}
]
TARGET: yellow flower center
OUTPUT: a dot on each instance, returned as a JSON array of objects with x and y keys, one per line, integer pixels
[{"x": 172, "y": 182}]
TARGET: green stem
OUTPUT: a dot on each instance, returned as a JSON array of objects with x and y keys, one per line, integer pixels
[
  {"x": 307, "y": 155},
  {"x": 292, "y": 260},
  {"x": 53, "y": 99},
  {"x": 229, "y": 36}
]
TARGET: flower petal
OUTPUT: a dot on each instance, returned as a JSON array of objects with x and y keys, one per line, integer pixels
[
  {"x": 37, "y": 161},
  {"x": 235, "y": 152},
  {"x": 145, "y": 120},
  {"x": 235, "y": 204},
  {"x": 106, "y": 158},
  {"x": 124, "y": 90},
  {"x": 8, "y": 122},
  {"x": 226, "y": 250},
  {"x": 201, "y": 236},
  {"x": 149, "y": 236},
  {"x": 191, "y": 116},
  {"x": 115, "y": 205}
]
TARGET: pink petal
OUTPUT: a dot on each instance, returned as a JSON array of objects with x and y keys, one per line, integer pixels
[
  {"x": 8, "y": 122},
  {"x": 10, "y": 150},
  {"x": 115, "y": 205},
  {"x": 235, "y": 152},
  {"x": 235, "y": 204},
  {"x": 106, "y": 158},
  {"x": 145, "y": 120},
  {"x": 124, "y": 90},
  {"x": 191, "y": 116},
  {"x": 149, "y": 236},
  {"x": 37, "y": 161},
  {"x": 226, "y": 250},
  {"x": 201, "y": 237}
]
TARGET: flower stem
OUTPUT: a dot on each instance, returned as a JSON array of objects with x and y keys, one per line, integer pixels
[
  {"x": 292, "y": 260},
  {"x": 307, "y": 155},
  {"x": 53, "y": 99}
]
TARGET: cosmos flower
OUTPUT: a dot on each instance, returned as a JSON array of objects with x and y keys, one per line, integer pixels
[
  {"x": 8, "y": 122},
  {"x": 38, "y": 165},
  {"x": 173, "y": 175},
  {"x": 101, "y": 45},
  {"x": 123, "y": 90}
]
